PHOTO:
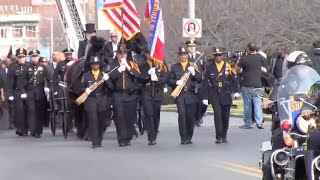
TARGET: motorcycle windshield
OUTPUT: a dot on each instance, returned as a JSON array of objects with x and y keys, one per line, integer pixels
[{"x": 298, "y": 79}]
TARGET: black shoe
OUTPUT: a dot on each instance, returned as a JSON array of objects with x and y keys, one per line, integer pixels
[
  {"x": 96, "y": 146},
  {"x": 128, "y": 144},
  {"x": 151, "y": 143},
  {"x": 218, "y": 141},
  {"x": 198, "y": 124},
  {"x": 71, "y": 131},
  {"x": 224, "y": 140},
  {"x": 183, "y": 142},
  {"x": 245, "y": 127},
  {"x": 189, "y": 142},
  {"x": 260, "y": 126}
]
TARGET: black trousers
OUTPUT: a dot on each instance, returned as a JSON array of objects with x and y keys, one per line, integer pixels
[
  {"x": 201, "y": 110},
  {"x": 125, "y": 116},
  {"x": 186, "y": 118},
  {"x": 80, "y": 119},
  {"x": 151, "y": 116},
  {"x": 41, "y": 114},
  {"x": 20, "y": 114},
  {"x": 221, "y": 119},
  {"x": 33, "y": 121}
]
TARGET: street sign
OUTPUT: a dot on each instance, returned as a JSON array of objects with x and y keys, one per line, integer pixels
[{"x": 191, "y": 28}]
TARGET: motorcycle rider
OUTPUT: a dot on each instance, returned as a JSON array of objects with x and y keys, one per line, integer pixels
[{"x": 294, "y": 58}]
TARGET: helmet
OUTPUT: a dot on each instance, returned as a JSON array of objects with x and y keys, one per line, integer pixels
[{"x": 298, "y": 58}]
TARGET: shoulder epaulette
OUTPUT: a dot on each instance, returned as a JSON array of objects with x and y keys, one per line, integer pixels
[{"x": 134, "y": 66}]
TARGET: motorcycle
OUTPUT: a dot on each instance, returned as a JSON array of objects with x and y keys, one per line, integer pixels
[{"x": 288, "y": 162}]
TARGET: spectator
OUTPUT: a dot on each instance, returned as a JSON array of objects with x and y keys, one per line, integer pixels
[
  {"x": 251, "y": 67},
  {"x": 315, "y": 55},
  {"x": 278, "y": 64}
]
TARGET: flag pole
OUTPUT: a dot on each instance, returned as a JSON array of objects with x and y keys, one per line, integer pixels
[{"x": 122, "y": 45}]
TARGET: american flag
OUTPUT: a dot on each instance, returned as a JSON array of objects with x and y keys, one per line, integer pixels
[{"x": 113, "y": 10}]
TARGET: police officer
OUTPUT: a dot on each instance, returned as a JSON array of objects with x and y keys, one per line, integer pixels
[
  {"x": 199, "y": 59},
  {"x": 59, "y": 75},
  {"x": 125, "y": 81},
  {"x": 96, "y": 104},
  {"x": 220, "y": 78},
  {"x": 154, "y": 79},
  {"x": 36, "y": 98},
  {"x": 17, "y": 84},
  {"x": 187, "y": 99}
]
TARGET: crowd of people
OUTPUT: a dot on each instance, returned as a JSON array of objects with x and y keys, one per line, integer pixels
[{"x": 124, "y": 84}]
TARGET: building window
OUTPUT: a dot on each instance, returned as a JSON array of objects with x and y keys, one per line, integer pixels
[
  {"x": 31, "y": 31},
  {"x": 3, "y": 33},
  {"x": 17, "y": 32}
]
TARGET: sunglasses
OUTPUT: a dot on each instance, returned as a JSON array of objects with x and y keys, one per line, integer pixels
[{"x": 113, "y": 36}]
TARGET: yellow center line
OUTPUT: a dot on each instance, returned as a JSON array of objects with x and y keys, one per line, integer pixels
[{"x": 238, "y": 168}]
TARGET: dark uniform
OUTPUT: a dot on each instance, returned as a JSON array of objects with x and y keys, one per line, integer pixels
[
  {"x": 152, "y": 96},
  {"x": 36, "y": 99},
  {"x": 125, "y": 99},
  {"x": 59, "y": 75},
  {"x": 97, "y": 103},
  {"x": 187, "y": 100},
  {"x": 17, "y": 84},
  {"x": 200, "y": 62},
  {"x": 85, "y": 45},
  {"x": 219, "y": 90}
]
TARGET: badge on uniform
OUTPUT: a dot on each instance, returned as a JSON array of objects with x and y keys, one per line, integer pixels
[{"x": 220, "y": 84}]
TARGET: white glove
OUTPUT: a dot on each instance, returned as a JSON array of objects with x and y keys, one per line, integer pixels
[
  {"x": 205, "y": 102},
  {"x": 154, "y": 77},
  {"x": 192, "y": 70},
  {"x": 179, "y": 82},
  {"x": 88, "y": 91},
  {"x": 105, "y": 77},
  {"x": 40, "y": 68},
  {"x": 46, "y": 90},
  {"x": 55, "y": 93},
  {"x": 165, "y": 90},
  {"x": 123, "y": 61},
  {"x": 122, "y": 68},
  {"x": 11, "y": 98},
  {"x": 152, "y": 71},
  {"x": 236, "y": 95},
  {"x": 23, "y": 96}
]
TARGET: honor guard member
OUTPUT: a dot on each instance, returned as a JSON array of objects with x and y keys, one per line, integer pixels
[
  {"x": 17, "y": 84},
  {"x": 154, "y": 80},
  {"x": 220, "y": 78},
  {"x": 124, "y": 81},
  {"x": 187, "y": 99},
  {"x": 36, "y": 98},
  {"x": 97, "y": 102},
  {"x": 194, "y": 56},
  {"x": 59, "y": 75}
]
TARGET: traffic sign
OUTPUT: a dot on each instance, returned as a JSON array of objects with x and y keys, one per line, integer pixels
[{"x": 191, "y": 28}]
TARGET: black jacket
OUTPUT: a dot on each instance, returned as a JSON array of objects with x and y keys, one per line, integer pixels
[
  {"x": 17, "y": 79},
  {"x": 153, "y": 90},
  {"x": 82, "y": 48},
  {"x": 108, "y": 51},
  {"x": 220, "y": 85},
  {"x": 38, "y": 79},
  {"x": 191, "y": 85}
]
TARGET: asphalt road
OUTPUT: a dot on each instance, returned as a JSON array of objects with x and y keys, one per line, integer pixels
[{"x": 53, "y": 158}]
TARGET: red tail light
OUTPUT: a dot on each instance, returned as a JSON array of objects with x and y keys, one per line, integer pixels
[{"x": 286, "y": 125}]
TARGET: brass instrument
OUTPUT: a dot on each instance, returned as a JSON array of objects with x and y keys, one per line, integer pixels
[{"x": 176, "y": 92}]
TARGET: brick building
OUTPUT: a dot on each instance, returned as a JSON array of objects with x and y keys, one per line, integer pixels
[{"x": 26, "y": 23}]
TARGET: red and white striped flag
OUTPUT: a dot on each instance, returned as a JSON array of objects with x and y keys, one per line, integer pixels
[{"x": 113, "y": 10}]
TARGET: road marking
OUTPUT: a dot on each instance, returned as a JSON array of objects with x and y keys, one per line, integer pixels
[{"x": 238, "y": 168}]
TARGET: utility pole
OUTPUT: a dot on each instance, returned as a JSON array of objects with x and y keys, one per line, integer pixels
[{"x": 192, "y": 11}]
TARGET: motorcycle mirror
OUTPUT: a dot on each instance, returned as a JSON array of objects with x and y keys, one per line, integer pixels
[{"x": 299, "y": 96}]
